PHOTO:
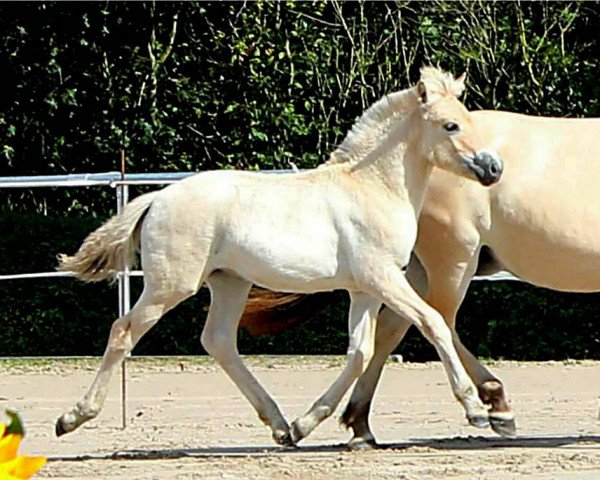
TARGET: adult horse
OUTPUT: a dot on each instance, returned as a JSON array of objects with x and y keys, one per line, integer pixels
[
  {"x": 541, "y": 222},
  {"x": 349, "y": 226}
]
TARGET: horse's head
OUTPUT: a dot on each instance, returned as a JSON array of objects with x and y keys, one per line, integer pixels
[{"x": 448, "y": 138}]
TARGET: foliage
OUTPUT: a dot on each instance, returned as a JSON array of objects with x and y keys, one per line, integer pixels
[
  {"x": 184, "y": 86},
  {"x": 195, "y": 86}
]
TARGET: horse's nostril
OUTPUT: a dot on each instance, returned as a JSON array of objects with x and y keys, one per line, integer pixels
[{"x": 494, "y": 169}]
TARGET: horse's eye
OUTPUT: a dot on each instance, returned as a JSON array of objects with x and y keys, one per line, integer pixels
[{"x": 451, "y": 127}]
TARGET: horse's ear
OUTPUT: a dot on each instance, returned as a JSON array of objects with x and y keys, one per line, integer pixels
[
  {"x": 458, "y": 86},
  {"x": 422, "y": 91}
]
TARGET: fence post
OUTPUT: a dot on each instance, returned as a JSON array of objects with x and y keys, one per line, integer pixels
[{"x": 124, "y": 291}]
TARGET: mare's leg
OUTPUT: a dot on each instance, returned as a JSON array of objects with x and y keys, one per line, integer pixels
[
  {"x": 124, "y": 335},
  {"x": 219, "y": 338},
  {"x": 361, "y": 324},
  {"x": 450, "y": 277},
  {"x": 491, "y": 391}
]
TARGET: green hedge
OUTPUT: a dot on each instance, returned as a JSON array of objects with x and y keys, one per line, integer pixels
[
  {"x": 191, "y": 86},
  {"x": 185, "y": 86},
  {"x": 67, "y": 317}
]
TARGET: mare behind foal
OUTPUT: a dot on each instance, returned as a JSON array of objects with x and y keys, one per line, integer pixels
[
  {"x": 541, "y": 222},
  {"x": 355, "y": 230}
]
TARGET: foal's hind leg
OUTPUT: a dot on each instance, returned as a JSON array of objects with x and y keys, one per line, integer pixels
[
  {"x": 124, "y": 335},
  {"x": 219, "y": 338}
]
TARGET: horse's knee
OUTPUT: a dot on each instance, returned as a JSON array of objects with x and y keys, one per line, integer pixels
[
  {"x": 358, "y": 361},
  {"x": 434, "y": 328},
  {"x": 216, "y": 343},
  {"x": 120, "y": 336}
]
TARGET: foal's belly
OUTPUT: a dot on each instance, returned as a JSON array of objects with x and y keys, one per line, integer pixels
[
  {"x": 282, "y": 265},
  {"x": 284, "y": 276}
]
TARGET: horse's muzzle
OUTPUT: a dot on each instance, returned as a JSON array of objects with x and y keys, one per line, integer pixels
[{"x": 487, "y": 167}]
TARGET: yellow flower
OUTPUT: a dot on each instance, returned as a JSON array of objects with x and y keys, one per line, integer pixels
[{"x": 13, "y": 467}]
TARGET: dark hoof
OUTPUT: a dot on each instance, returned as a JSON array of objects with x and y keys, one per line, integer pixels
[
  {"x": 59, "y": 429},
  {"x": 479, "y": 421},
  {"x": 362, "y": 445},
  {"x": 285, "y": 440},
  {"x": 505, "y": 427}
]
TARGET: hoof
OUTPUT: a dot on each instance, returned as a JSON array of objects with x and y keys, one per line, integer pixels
[
  {"x": 503, "y": 426},
  {"x": 284, "y": 439},
  {"x": 59, "y": 429},
  {"x": 358, "y": 444},
  {"x": 479, "y": 421},
  {"x": 297, "y": 432}
]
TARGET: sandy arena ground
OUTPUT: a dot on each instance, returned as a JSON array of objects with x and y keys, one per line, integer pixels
[{"x": 186, "y": 420}]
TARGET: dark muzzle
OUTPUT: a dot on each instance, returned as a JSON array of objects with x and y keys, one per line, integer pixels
[{"x": 487, "y": 167}]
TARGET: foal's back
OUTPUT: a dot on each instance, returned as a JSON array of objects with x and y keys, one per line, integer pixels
[{"x": 293, "y": 232}]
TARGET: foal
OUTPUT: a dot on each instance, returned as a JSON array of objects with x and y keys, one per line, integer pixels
[{"x": 349, "y": 226}]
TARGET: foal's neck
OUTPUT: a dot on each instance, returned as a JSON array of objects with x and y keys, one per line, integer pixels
[{"x": 397, "y": 167}]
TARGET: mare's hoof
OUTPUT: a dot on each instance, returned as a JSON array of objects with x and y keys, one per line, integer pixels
[
  {"x": 505, "y": 427},
  {"x": 358, "y": 444},
  {"x": 479, "y": 421}
]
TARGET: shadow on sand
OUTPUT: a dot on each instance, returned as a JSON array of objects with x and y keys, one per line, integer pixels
[{"x": 441, "y": 444}]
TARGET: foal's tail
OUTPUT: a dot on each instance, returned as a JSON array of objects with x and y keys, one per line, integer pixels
[
  {"x": 111, "y": 247},
  {"x": 269, "y": 312}
]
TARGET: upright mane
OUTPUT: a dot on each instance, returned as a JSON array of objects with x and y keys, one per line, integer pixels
[
  {"x": 440, "y": 84},
  {"x": 369, "y": 128},
  {"x": 375, "y": 122}
]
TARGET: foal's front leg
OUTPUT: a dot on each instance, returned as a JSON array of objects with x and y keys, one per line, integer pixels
[
  {"x": 445, "y": 295},
  {"x": 361, "y": 325},
  {"x": 397, "y": 294}
]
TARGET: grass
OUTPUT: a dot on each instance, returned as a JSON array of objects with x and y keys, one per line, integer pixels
[{"x": 16, "y": 365}]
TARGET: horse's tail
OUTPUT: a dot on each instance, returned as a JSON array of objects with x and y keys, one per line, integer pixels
[
  {"x": 269, "y": 312},
  {"x": 112, "y": 246}
]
